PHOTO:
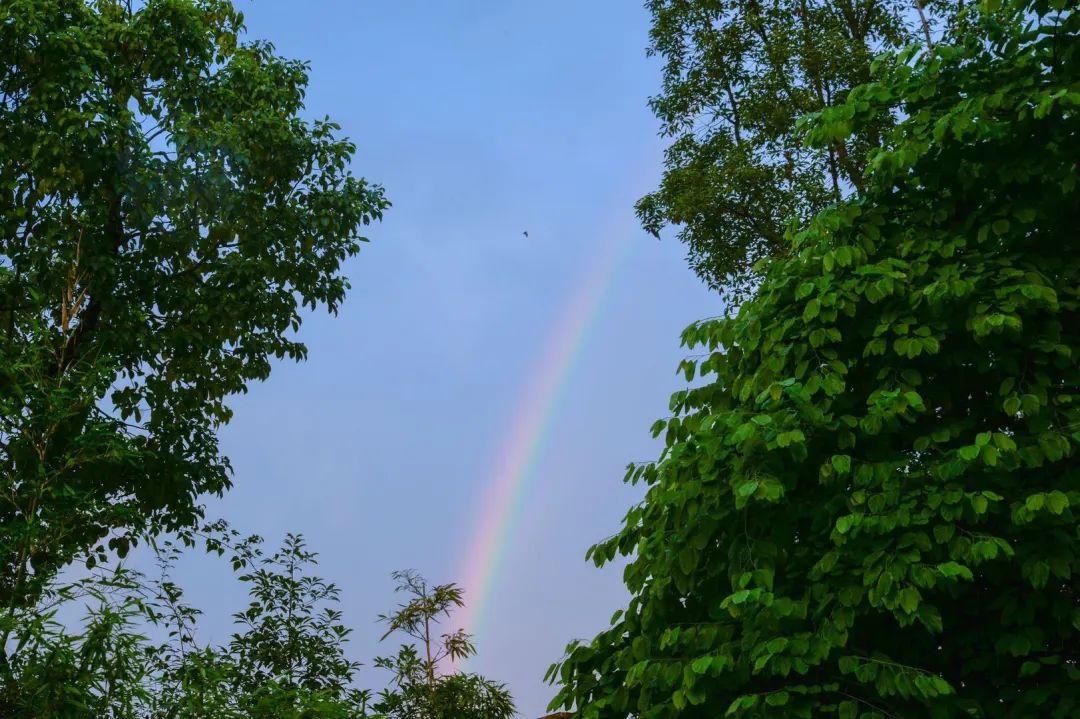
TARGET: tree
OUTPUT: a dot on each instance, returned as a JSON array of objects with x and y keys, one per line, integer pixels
[
  {"x": 737, "y": 75},
  {"x": 286, "y": 660},
  {"x": 166, "y": 212},
  {"x": 100, "y": 670},
  {"x": 870, "y": 510},
  {"x": 420, "y": 689}
]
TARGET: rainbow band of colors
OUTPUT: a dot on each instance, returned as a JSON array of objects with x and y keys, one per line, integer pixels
[{"x": 515, "y": 465}]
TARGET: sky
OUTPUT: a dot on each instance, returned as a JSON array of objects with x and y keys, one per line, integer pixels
[{"x": 483, "y": 120}]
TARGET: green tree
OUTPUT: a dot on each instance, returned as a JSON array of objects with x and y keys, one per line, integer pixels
[
  {"x": 100, "y": 669},
  {"x": 286, "y": 660},
  {"x": 289, "y": 659},
  {"x": 165, "y": 213},
  {"x": 420, "y": 689},
  {"x": 737, "y": 75},
  {"x": 870, "y": 510}
]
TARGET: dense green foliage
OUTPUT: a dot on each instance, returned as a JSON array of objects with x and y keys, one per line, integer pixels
[
  {"x": 420, "y": 689},
  {"x": 737, "y": 76},
  {"x": 165, "y": 212},
  {"x": 870, "y": 509}
]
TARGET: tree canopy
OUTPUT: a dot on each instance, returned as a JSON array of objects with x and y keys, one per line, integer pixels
[
  {"x": 869, "y": 509},
  {"x": 737, "y": 75},
  {"x": 167, "y": 211}
]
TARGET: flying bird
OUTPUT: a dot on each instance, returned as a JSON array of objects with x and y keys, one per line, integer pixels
[{"x": 526, "y": 233}]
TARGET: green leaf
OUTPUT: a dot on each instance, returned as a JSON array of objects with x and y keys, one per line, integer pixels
[
  {"x": 953, "y": 569},
  {"x": 979, "y": 504},
  {"x": 909, "y": 599},
  {"x": 969, "y": 452},
  {"x": 1057, "y": 502}
]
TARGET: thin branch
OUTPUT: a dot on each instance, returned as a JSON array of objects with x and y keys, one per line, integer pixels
[{"x": 925, "y": 24}]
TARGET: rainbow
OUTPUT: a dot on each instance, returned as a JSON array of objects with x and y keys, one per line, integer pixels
[{"x": 515, "y": 464}]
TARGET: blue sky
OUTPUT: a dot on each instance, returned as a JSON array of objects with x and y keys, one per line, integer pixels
[{"x": 482, "y": 119}]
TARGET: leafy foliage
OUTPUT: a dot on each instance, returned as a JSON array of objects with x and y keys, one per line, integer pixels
[
  {"x": 137, "y": 653},
  {"x": 870, "y": 510},
  {"x": 420, "y": 690},
  {"x": 288, "y": 656},
  {"x": 53, "y": 672},
  {"x": 286, "y": 659},
  {"x": 165, "y": 212},
  {"x": 737, "y": 76}
]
